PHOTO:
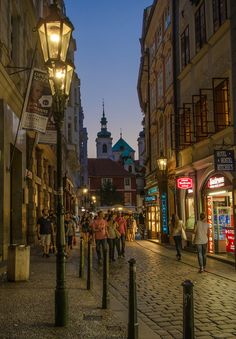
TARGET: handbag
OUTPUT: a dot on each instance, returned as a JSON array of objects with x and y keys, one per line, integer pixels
[{"x": 183, "y": 234}]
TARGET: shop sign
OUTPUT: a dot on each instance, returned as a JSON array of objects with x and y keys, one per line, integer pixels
[
  {"x": 215, "y": 182},
  {"x": 153, "y": 190},
  {"x": 184, "y": 183},
  {"x": 164, "y": 213},
  {"x": 224, "y": 160},
  {"x": 150, "y": 198},
  {"x": 229, "y": 240},
  {"x": 209, "y": 221}
]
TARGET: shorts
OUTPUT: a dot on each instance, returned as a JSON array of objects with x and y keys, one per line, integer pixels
[{"x": 45, "y": 239}]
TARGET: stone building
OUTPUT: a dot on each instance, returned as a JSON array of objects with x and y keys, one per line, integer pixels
[{"x": 27, "y": 165}]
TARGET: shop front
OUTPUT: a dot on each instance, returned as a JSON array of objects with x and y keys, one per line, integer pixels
[
  {"x": 153, "y": 213},
  {"x": 218, "y": 203}
]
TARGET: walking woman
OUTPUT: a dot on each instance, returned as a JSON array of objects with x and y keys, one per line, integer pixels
[
  {"x": 176, "y": 230},
  {"x": 111, "y": 238},
  {"x": 201, "y": 239}
]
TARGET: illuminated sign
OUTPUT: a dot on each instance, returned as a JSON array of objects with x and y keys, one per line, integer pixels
[
  {"x": 153, "y": 190},
  {"x": 229, "y": 233},
  {"x": 209, "y": 221},
  {"x": 184, "y": 183},
  {"x": 150, "y": 198},
  {"x": 164, "y": 213},
  {"x": 215, "y": 182}
]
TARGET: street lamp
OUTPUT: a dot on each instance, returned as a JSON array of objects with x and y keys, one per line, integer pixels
[
  {"x": 85, "y": 191},
  {"x": 55, "y": 34},
  {"x": 163, "y": 188}
]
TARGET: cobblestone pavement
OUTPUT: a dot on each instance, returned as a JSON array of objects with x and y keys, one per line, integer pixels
[
  {"x": 27, "y": 308},
  {"x": 160, "y": 293}
]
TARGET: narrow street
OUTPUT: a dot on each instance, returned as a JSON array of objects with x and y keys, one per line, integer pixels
[{"x": 160, "y": 294}]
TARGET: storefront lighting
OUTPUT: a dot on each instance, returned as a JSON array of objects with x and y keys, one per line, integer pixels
[{"x": 217, "y": 193}]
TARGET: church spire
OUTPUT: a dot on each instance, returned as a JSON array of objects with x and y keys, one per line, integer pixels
[{"x": 103, "y": 133}]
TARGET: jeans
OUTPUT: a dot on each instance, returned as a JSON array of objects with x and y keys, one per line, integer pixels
[
  {"x": 201, "y": 252},
  {"x": 122, "y": 239},
  {"x": 111, "y": 243},
  {"x": 178, "y": 245},
  {"x": 100, "y": 243}
]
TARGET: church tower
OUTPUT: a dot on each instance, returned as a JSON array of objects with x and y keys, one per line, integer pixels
[{"x": 104, "y": 140}]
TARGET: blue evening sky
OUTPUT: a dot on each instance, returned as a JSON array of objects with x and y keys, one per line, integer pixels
[{"x": 107, "y": 34}]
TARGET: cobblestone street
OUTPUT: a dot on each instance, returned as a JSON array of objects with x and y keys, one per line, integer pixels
[{"x": 160, "y": 294}]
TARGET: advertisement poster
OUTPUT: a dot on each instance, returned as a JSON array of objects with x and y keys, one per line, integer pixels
[
  {"x": 50, "y": 136},
  {"x": 38, "y": 102},
  {"x": 229, "y": 232}
]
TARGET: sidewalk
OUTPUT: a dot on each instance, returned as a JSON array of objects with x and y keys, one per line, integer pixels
[{"x": 27, "y": 308}]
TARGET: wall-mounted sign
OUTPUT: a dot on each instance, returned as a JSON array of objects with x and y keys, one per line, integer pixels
[
  {"x": 229, "y": 232},
  {"x": 150, "y": 198},
  {"x": 153, "y": 190},
  {"x": 210, "y": 222},
  {"x": 224, "y": 160},
  {"x": 184, "y": 183},
  {"x": 216, "y": 181},
  {"x": 164, "y": 213}
]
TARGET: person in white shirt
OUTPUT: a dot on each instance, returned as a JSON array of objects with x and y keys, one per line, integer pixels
[{"x": 201, "y": 240}]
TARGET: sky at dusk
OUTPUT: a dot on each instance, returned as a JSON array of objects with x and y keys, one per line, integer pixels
[{"x": 107, "y": 60}]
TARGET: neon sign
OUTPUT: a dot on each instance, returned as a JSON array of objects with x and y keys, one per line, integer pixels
[
  {"x": 215, "y": 182},
  {"x": 184, "y": 183},
  {"x": 209, "y": 221},
  {"x": 164, "y": 213}
]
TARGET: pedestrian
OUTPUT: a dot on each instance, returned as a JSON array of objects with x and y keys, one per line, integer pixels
[
  {"x": 176, "y": 231},
  {"x": 100, "y": 231},
  {"x": 44, "y": 231},
  {"x": 201, "y": 232},
  {"x": 112, "y": 235},
  {"x": 69, "y": 232},
  {"x": 129, "y": 224},
  {"x": 53, "y": 220},
  {"x": 122, "y": 230}
]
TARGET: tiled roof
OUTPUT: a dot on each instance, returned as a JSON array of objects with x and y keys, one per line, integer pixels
[{"x": 106, "y": 168}]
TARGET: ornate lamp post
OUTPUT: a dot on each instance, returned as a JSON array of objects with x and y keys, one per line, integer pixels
[
  {"x": 163, "y": 187},
  {"x": 55, "y": 34}
]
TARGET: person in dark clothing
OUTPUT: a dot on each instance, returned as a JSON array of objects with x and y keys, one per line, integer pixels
[{"x": 44, "y": 231}]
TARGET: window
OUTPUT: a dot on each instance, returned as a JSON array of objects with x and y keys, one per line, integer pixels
[
  {"x": 127, "y": 182},
  {"x": 152, "y": 98},
  {"x": 160, "y": 85},
  {"x": 221, "y": 105},
  {"x": 161, "y": 133},
  {"x": 158, "y": 36},
  {"x": 200, "y": 27},
  {"x": 200, "y": 113},
  {"x": 185, "y": 53},
  {"x": 104, "y": 148},
  {"x": 106, "y": 181},
  {"x": 219, "y": 8},
  {"x": 69, "y": 134},
  {"x": 167, "y": 18},
  {"x": 127, "y": 199},
  {"x": 168, "y": 70}
]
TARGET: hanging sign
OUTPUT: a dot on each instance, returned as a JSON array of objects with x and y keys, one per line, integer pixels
[
  {"x": 184, "y": 183},
  {"x": 38, "y": 101},
  {"x": 224, "y": 160}
]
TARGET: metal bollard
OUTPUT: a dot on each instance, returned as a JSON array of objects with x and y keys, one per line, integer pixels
[
  {"x": 81, "y": 258},
  {"x": 105, "y": 290},
  {"x": 133, "y": 318},
  {"x": 89, "y": 266},
  {"x": 188, "y": 310}
]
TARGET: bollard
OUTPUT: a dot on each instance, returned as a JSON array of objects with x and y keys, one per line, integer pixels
[
  {"x": 188, "y": 310},
  {"x": 89, "y": 266},
  {"x": 105, "y": 294},
  {"x": 81, "y": 258},
  {"x": 133, "y": 318}
]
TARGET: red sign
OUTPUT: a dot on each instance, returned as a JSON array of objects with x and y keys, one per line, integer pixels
[
  {"x": 209, "y": 221},
  {"x": 229, "y": 232},
  {"x": 184, "y": 183}
]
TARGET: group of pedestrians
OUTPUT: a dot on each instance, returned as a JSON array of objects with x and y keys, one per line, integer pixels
[
  {"x": 47, "y": 229},
  {"x": 201, "y": 234},
  {"x": 112, "y": 229}
]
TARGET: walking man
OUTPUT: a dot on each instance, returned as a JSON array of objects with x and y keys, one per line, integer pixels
[
  {"x": 44, "y": 231},
  {"x": 100, "y": 231},
  {"x": 122, "y": 230}
]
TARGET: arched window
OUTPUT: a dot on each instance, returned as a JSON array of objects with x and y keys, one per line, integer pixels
[{"x": 104, "y": 148}]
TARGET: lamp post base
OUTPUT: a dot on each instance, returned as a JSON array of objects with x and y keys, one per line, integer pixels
[{"x": 61, "y": 307}]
